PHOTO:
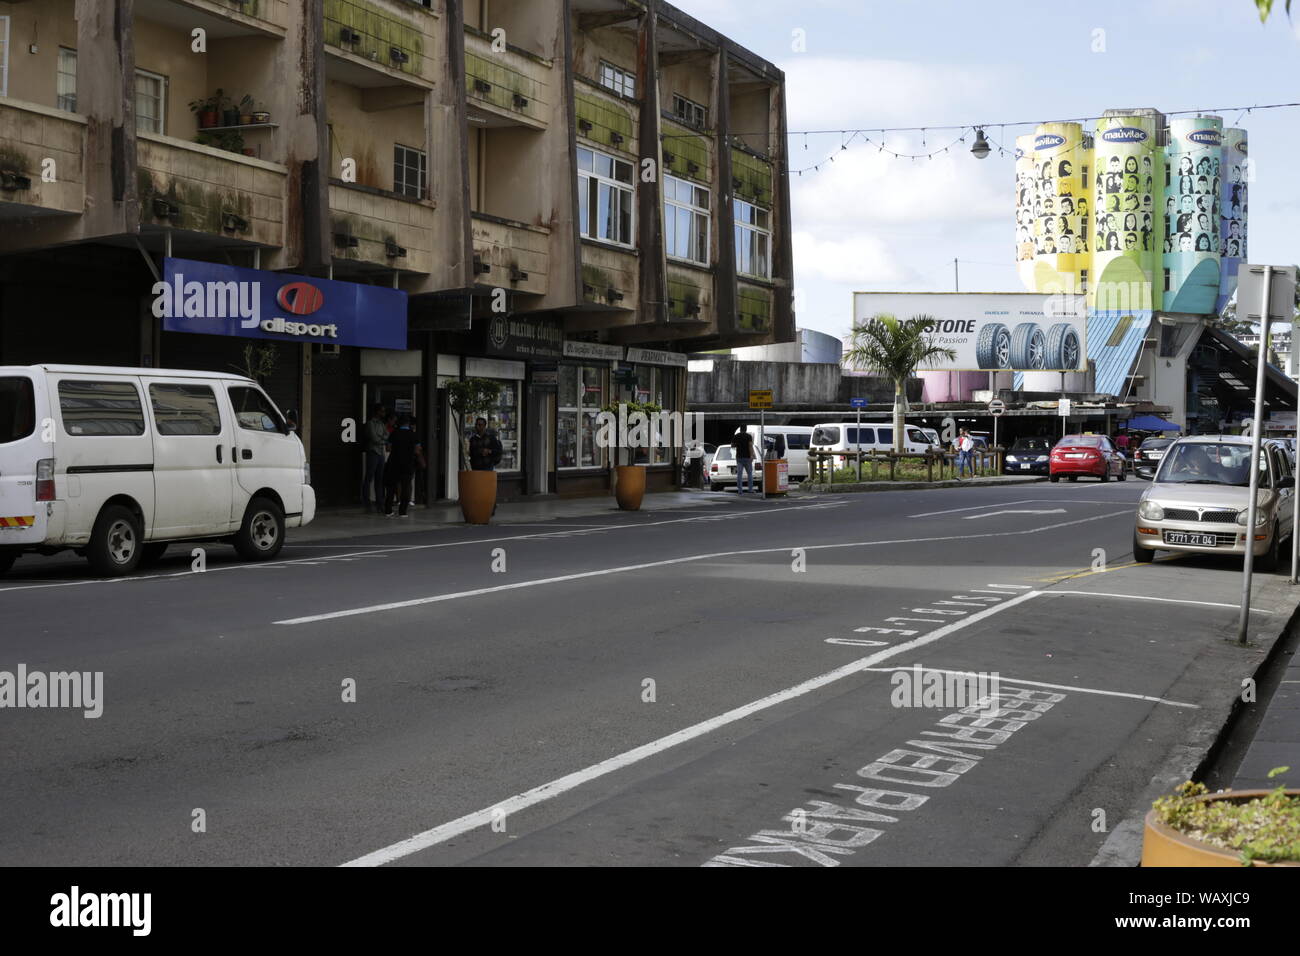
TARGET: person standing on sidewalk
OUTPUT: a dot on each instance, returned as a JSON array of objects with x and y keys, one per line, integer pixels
[
  {"x": 965, "y": 447},
  {"x": 485, "y": 449},
  {"x": 399, "y": 472},
  {"x": 743, "y": 443},
  {"x": 374, "y": 435}
]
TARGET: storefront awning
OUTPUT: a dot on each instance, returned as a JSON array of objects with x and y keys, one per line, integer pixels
[{"x": 1150, "y": 423}]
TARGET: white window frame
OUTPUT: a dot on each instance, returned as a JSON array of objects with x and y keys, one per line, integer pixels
[
  {"x": 4, "y": 55},
  {"x": 59, "y": 73},
  {"x": 672, "y": 203},
  {"x": 590, "y": 183},
  {"x": 572, "y": 406},
  {"x": 764, "y": 232},
  {"x": 422, "y": 171},
  {"x": 685, "y": 110},
  {"x": 162, "y": 100},
  {"x": 617, "y": 80}
]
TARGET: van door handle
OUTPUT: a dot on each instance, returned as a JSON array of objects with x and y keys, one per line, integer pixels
[
  {"x": 218, "y": 454},
  {"x": 246, "y": 454}
]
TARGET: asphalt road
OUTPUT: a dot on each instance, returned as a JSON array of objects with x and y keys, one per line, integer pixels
[{"x": 660, "y": 688}]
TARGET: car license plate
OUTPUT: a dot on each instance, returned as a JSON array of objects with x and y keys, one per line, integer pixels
[
  {"x": 1074, "y": 454},
  {"x": 1186, "y": 537},
  {"x": 1025, "y": 467}
]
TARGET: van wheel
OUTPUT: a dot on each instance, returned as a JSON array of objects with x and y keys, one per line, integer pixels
[
  {"x": 152, "y": 552},
  {"x": 261, "y": 536},
  {"x": 7, "y": 559},
  {"x": 115, "y": 543},
  {"x": 1140, "y": 554}
]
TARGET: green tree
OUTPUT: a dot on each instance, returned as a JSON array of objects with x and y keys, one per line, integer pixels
[{"x": 893, "y": 348}]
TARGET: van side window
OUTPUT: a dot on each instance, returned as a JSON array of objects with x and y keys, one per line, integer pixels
[
  {"x": 185, "y": 409},
  {"x": 795, "y": 440},
  {"x": 918, "y": 436},
  {"x": 885, "y": 435},
  {"x": 254, "y": 411},
  {"x": 17, "y": 409},
  {"x": 100, "y": 408}
]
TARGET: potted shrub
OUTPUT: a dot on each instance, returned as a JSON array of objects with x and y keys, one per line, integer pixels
[
  {"x": 246, "y": 111},
  {"x": 1194, "y": 827},
  {"x": 629, "y": 472},
  {"x": 472, "y": 398},
  {"x": 229, "y": 111},
  {"x": 208, "y": 111}
]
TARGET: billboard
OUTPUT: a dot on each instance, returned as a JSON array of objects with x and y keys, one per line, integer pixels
[
  {"x": 1059, "y": 167},
  {"x": 1191, "y": 213},
  {"x": 1232, "y": 213},
  {"x": 1018, "y": 331}
]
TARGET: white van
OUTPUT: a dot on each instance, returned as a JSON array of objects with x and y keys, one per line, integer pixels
[
  {"x": 790, "y": 442},
  {"x": 870, "y": 436},
  {"x": 114, "y": 463}
]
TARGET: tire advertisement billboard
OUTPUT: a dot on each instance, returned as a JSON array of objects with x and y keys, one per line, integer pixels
[{"x": 1014, "y": 331}]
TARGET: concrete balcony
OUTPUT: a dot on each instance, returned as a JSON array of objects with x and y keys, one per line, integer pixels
[
  {"x": 508, "y": 87},
  {"x": 377, "y": 231},
  {"x": 754, "y": 306},
  {"x": 221, "y": 18},
  {"x": 610, "y": 277},
  {"x": 211, "y": 192},
  {"x": 511, "y": 255},
  {"x": 41, "y": 153},
  {"x": 372, "y": 43}
]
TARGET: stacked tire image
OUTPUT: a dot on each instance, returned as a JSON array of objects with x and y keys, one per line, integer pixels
[{"x": 1027, "y": 348}]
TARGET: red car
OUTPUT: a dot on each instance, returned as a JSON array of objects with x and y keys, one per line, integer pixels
[{"x": 1091, "y": 455}]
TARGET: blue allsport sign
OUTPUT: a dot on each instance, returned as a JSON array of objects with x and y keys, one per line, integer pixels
[{"x": 214, "y": 299}]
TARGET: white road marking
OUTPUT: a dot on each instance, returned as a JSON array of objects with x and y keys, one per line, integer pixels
[
  {"x": 950, "y": 511},
  {"x": 1144, "y": 597},
  {"x": 1034, "y": 683},
  {"x": 477, "y": 592},
  {"x": 1016, "y": 511},
  {"x": 547, "y": 791}
]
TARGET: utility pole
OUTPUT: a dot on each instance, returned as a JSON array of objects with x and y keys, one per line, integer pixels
[{"x": 956, "y": 277}]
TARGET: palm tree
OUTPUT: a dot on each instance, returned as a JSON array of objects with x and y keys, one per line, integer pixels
[{"x": 886, "y": 346}]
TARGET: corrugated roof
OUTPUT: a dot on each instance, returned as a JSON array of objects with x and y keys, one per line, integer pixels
[{"x": 1115, "y": 361}]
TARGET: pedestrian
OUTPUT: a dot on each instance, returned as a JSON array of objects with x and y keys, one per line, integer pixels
[
  {"x": 374, "y": 437},
  {"x": 965, "y": 448},
  {"x": 743, "y": 443},
  {"x": 485, "y": 449},
  {"x": 405, "y": 454}
]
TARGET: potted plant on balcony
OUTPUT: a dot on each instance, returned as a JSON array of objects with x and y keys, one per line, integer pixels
[
  {"x": 245, "y": 108},
  {"x": 261, "y": 114},
  {"x": 631, "y": 440},
  {"x": 208, "y": 110},
  {"x": 1194, "y": 827},
  {"x": 468, "y": 399}
]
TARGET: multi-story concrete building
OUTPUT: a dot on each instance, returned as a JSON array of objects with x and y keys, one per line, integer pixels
[{"x": 572, "y": 194}]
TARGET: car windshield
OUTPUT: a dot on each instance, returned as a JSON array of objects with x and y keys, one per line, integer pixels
[
  {"x": 724, "y": 453},
  {"x": 1031, "y": 444},
  {"x": 1208, "y": 463}
]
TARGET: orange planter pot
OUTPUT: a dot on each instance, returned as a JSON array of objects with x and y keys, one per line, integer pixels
[
  {"x": 630, "y": 486},
  {"x": 1164, "y": 846},
  {"x": 478, "y": 495}
]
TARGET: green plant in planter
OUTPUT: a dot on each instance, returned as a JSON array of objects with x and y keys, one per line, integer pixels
[
  {"x": 1263, "y": 828},
  {"x": 470, "y": 398},
  {"x": 229, "y": 140},
  {"x": 649, "y": 409}
]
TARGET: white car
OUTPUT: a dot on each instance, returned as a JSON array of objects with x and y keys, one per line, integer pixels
[
  {"x": 722, "y": 470},
  {"x": 114, "y": 463}
]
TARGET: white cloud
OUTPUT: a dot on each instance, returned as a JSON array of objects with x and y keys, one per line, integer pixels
[{"x": 862, "y": 259}]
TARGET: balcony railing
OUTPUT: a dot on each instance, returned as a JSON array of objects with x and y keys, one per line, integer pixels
[
  {"x": 37, "y": 140},
  {"x": 389, "y": 35},
  {"x": 183, "y": 185},
  {"x": 246, "y": 13},
  {"x": 380, "y": 230},
  {"x": 511, "y": 255},
  {"x": 509, "y": 83}
]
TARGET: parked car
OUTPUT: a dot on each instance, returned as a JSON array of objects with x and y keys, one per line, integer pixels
[
  {"x": 722, "y": 470},
  {"x": 850, "y": 437},
  {"x": 1028, "y": 456},
  {"x": 1085, "y": 455},
  {"x": 1199, "y": 498},
  {"x": 790, "y": 442},
  {"x": 114, "y": 463},
  {"x": 1147, "y": 458}
]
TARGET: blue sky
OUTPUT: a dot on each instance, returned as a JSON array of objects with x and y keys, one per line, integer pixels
[{"x": 873, "y": 223}]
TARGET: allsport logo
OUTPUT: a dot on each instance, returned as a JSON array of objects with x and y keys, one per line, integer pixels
[
  {"x": 1125, "y": 134},
  {"x": 1048, "y": 141},
  {"x": 1206, "y": 137},
  {"x": 300, "y": 298}
]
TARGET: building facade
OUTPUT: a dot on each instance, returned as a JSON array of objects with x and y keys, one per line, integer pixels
[{"x": 569, "y": 194}]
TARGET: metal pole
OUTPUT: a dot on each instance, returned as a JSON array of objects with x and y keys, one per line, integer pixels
[
  {"x": 1295, "y": 516},
  {"x": 762, "y": 454},
  {"x": 858, "y": 444},
  {"x": 1248, "y": 565},
  {"x": 956, "y": 277}
]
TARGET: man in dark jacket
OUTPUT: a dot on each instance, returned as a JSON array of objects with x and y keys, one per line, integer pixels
[
  {"x": 484, "y": 448},
  {"x": 399, "y": 471},
  {"x": 743, "y": 443}
]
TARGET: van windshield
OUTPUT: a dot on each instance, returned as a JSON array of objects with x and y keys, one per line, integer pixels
[
  {"x": 826, "y": 435},
  {"x": 17, "y": 408}
]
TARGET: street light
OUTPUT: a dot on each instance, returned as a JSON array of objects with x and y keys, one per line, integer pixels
[{"x": 981, "y": 147}]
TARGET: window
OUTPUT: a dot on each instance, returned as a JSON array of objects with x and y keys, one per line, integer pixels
[
  {"x": 826, "y": 435},
  {"x": 1168, "y": 279},
  {"x": 753, "y": 240},
  {"x": 150, "y": 101},
  {"x": 686, "y": 220},
  {"x": 581, "y": 396},
  {"x": 65, "y": 82},
  {"x": 655, "y": 385},
  {"x": 185, "y": 410},
  {"x": 860, "y": 436},
  {"x": 605, "y": 197},
  {"x": 4, "y": 56},
  {"x": 797, "y": 441},
  {"x": 100, "y": 408},
  {"x": 504, "y": 420},
  {"x": 690, "y": 112},
  {"x": 410, "y": 171},
  {"x": 254, "y": 411},
  {"x": 620, "y": 81},
  {"x": 17, "y": 409}
]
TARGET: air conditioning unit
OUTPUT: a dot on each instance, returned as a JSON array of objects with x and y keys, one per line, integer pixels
[
  {"x": 349, "y": 36},
  {"x": 520, "y": 101},
  {"x": 482, "y": 86},
  {"x": 397, "y": 55}
]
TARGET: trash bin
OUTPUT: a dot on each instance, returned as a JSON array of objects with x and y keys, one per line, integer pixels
[{"x": 776, "y": 476}]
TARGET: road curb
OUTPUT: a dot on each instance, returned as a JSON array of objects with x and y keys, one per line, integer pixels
[{"x": 849, "y": 487}]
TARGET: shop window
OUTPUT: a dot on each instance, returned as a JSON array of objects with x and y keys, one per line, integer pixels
[
  {"x": 65, "y": 81},
  {"x": 185, "y": 410},
  {"x": 686, "y": 220},
  {"x": 100, "y": 408},
  {"x": 504, "y": 420},
  {"x": 753, "y": 240},
  {"x": 605, "y": 197},
  {"x": 580, "y": 399},
  {"x": 150, "y": 102},
  {"x": 410, "y": 171}
]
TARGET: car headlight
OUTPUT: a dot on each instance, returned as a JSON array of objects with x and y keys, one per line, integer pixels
[
  {"x": 1261, "y": 516},
  {"x": 1042, "y": 458},
  {"x": 1011, "y": 458},
  {"x": 1152, "y": 511}
]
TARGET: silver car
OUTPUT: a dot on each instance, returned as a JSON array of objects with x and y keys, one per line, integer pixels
[{"x": 1198, "y": 500}]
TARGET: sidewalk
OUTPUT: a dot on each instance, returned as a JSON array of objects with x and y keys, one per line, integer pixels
[
  {"x": 1277, "y": 738},
  {"x": 350, "y": 522}
]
